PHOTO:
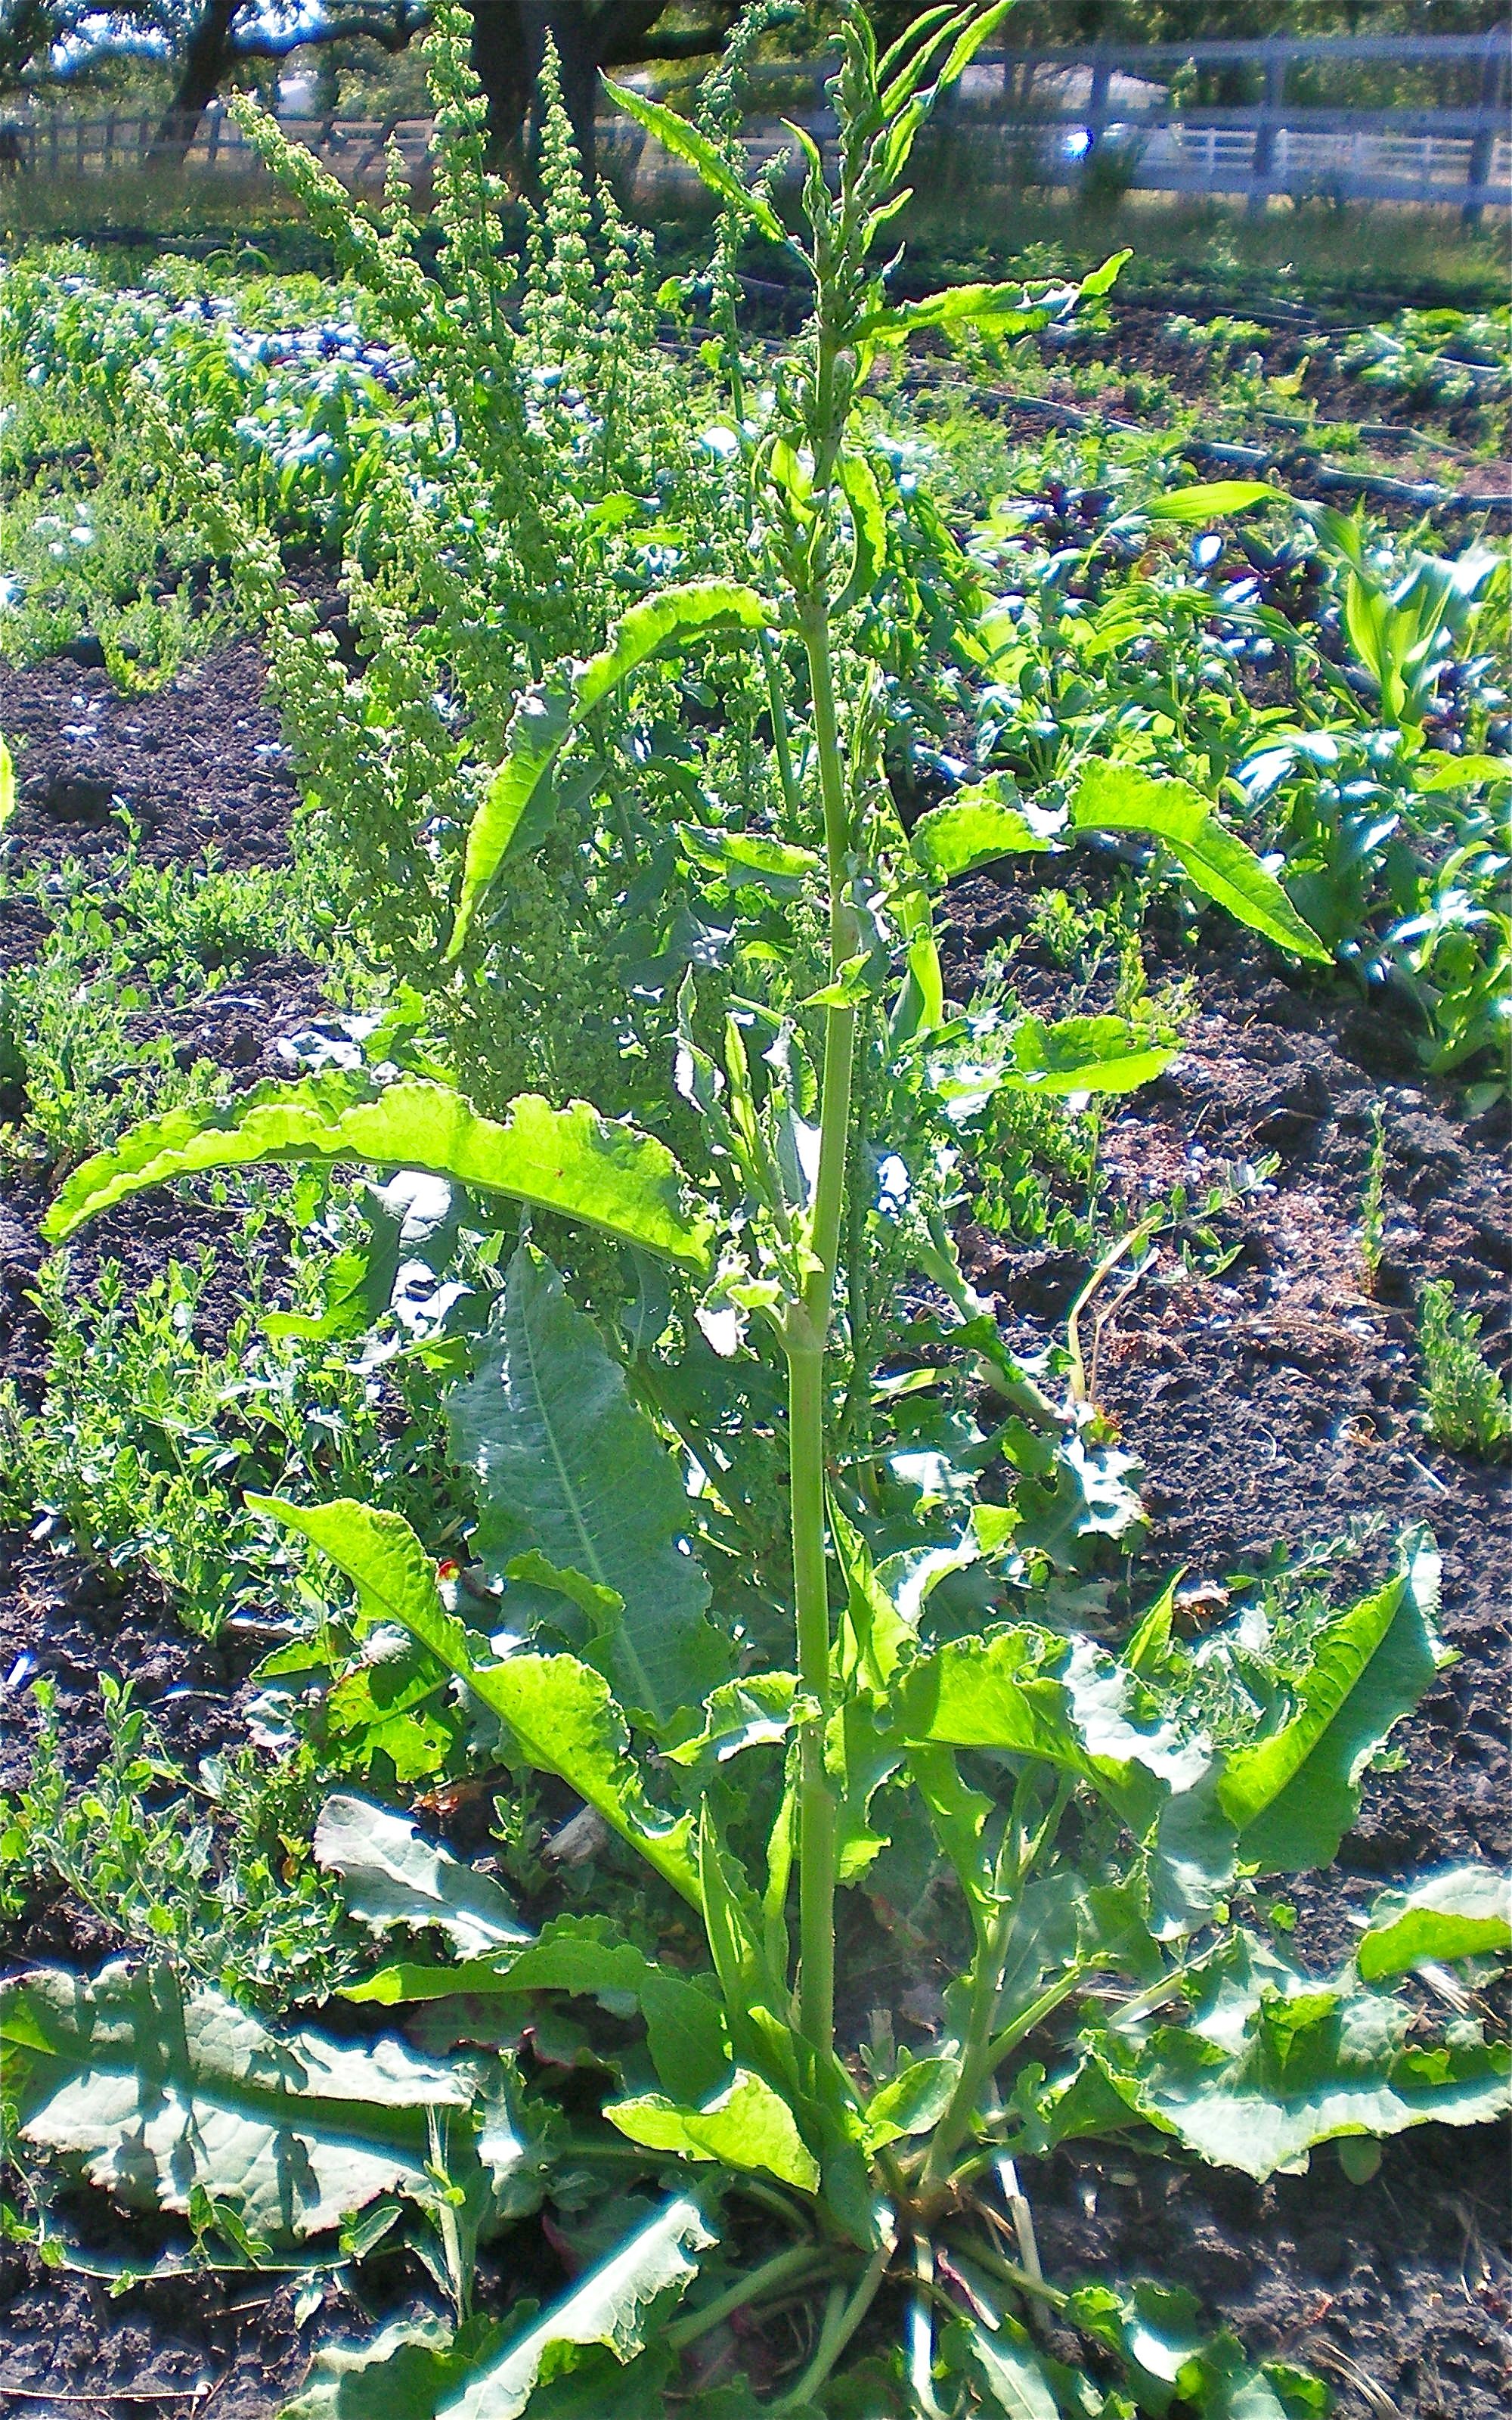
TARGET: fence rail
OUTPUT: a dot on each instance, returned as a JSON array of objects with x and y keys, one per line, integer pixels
[{"x": 1022, "y": 116}]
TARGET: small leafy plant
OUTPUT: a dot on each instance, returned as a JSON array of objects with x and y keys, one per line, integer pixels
[{"x": 1466, "y": 1407}]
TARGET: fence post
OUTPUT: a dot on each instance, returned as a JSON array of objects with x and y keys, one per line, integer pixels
[
  {"x": 1097, "y": 101},
  {"x": 1483, "y": 149},
  {"x": 1263, "y": 157}
]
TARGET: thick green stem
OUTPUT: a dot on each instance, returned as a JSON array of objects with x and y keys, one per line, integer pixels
[{"x": 816, "y": 1803}]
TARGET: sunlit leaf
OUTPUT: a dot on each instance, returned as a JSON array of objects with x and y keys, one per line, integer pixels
[
  {"x": 1120, "y": 797},
  {"x": 1293, "y": 1797},
  {"x": 568, "y": 1161},
  {"x": 1461, "y": 1913},
  {"x": 685, "y": 142},
  {"x": 1199, "y": 505},
  {"x": 152, "y": 2088},
  {"x": 560, "y": 1713},
  {"x": 973, "y": 828},
  {"x": 550, "y": 711},
  {"x": 746, "y": 2126}
]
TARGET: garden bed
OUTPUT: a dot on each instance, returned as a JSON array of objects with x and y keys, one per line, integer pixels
[{"x": 1270, "y": 1404}]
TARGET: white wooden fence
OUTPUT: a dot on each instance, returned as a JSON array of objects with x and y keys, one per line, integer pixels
[{"x": 1041, "y": 117}]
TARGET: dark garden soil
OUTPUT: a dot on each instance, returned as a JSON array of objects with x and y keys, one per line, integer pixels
[{"x": 1272, "y": 1403}]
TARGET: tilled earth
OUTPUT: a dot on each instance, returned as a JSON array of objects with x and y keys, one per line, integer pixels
[{"x": 1271, "y": 1403}]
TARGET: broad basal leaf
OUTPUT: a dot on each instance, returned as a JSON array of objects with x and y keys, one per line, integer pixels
[
  {"x": 611, "y": 2306},
  {"x": 1271, "y": 2062},
  {"x": 1292, "y": 1797},
  {"x": 551, "y": 709},
  {"x": 152, "y": 2090},
  {"x": 1120, "y": 797},
  {"x": 1461, "y": 1913},
  {"x": 748, "y": 2125},
  {"x": 559, "y": 1712},
  {"x": 565, "y": 1465},
  {"x": 392, "y": 1875},
  {"x": 569, "y": 1161}
]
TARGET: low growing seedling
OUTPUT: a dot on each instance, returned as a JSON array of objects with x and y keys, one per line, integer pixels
[{"x": 1465, "y": 1405}]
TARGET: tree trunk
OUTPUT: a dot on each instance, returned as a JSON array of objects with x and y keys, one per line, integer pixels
[{"x": 205, "y": 57}]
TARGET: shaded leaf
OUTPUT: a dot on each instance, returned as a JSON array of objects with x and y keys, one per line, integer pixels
[
  {"x": 566, "y": 1467},
  {"x": 392, "y": 1875}
]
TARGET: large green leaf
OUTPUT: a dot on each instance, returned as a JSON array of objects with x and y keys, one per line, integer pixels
[
  {"x": 747, "y": 2126},
  {"x": 551, "y": 709},
  {"x": 558, "y": 1712},
  {"x": 589, "y": 1957},
  {"x": 392, "y": 1875},
  {"x": 150, "y": 2089},
  {"x": 611, "y": 2307},
  {"x": 565, "y": 1465},
  {"x": 1082, "y": 1054},
  {"x": 1462, "y": 1913},
  {"x": 569, "y": 1161},
  {"x": 976, "y": 825},
  {"x": 685, "y": 142},
  {"x": 1120, "y": 797},
  {"x": 1030, "y": 1693},
  {"x": 1271, "y": 2062},
  {"x": 1292, "y": 1797}
]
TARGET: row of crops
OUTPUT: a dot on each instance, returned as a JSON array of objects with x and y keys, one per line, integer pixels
[{"x": 667, "y": 1602}]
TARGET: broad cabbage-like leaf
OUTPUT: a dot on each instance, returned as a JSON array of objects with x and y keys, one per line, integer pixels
[
  {"x": 571, "y": 1160},
  {"x": 976, "y": 825},
  {"x": 150, "y": 2090},
  {"x": 392, "y": 1875},
  {"x": 1121, "y": 797},
  {"x": 558, "y": 1712},
  {"x": 1273, "y": 2062},
  {"x": 565, "y": 1465}
]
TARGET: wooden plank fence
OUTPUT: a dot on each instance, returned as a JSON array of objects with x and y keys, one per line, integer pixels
[{"x": 1041, "y": 117}]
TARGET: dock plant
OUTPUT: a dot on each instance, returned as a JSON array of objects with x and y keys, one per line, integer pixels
[{"x": 767, "y": 1726}]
